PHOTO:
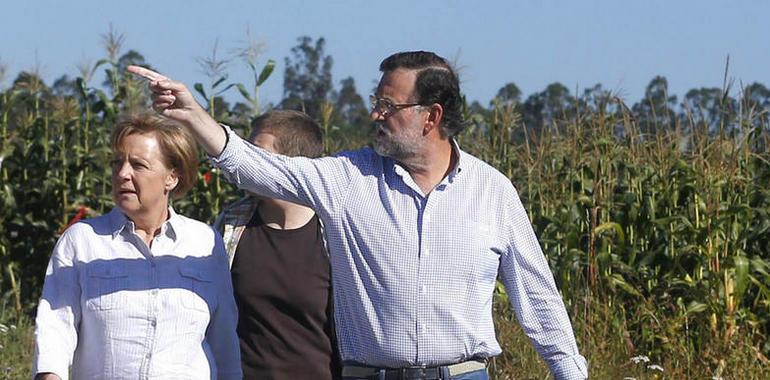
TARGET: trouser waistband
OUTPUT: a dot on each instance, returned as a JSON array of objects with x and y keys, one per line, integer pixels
[{"x": 414, "y": 373}]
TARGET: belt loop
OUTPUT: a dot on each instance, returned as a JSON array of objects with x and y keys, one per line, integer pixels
[
  {"x": 381, "y": 375},
  {"x": 444, "y": 371}
]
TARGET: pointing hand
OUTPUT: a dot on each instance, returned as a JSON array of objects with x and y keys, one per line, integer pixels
[
  {"x": 173, "y": 100},
  {"x": 169, "y": 98}
]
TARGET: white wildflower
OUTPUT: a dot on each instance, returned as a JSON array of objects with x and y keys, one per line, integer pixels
[
  {"x": 640, "y": 359},
  {"x": 3, "y": 328},
  {"x": 655, "y": 367}
]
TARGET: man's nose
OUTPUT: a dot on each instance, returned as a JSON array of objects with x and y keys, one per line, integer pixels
[{"x": 375, "y": 114}]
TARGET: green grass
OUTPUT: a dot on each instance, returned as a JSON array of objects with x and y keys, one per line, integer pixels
[
  {"x": 609, "y": 350},
  {"x": 605, "y": 345},
  {"x": 16, "y": 348}
]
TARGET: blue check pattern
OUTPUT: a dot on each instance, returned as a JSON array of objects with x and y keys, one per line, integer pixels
[{"x": 414, "y": 274}]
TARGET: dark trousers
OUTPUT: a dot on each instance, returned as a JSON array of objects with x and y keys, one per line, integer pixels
[{"x": 475, "y": 375}]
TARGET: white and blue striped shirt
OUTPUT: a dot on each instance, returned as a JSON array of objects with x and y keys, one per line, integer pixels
[
  {"x": 414, "y": 274},
  {"x": 115, "y": 308}
]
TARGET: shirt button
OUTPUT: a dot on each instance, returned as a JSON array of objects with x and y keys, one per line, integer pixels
[
  {"x": 427, "y": 252},
  {"x": 422, "y": 289},
  {"x": 154, "y": 323},
  {"x": 149, "y": 355},
  {"x": 427, "y": 216},
  {"x": 154, "y": 292}
]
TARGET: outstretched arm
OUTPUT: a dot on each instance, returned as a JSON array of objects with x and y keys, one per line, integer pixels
[{"x": 173, "y": 100}]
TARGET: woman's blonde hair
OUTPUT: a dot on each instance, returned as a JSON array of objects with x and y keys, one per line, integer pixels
[{"x": 176, "y": 144}]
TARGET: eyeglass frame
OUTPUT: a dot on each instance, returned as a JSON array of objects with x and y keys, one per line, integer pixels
[{"x": 390, "y": 108}]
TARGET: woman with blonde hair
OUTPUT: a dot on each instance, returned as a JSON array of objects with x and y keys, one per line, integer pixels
[{"x": 141, "y": 292}]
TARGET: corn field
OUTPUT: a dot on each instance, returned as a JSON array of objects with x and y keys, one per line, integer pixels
[{"x": 659, "y": 241}]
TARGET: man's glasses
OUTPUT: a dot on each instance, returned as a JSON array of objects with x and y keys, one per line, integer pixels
[{"x": 386, "y": 108}]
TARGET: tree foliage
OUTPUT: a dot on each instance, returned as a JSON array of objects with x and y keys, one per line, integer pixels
[
  {"x": 349, "y": 107},
  {"x": 656, "y": 111},
  {"x": 307, "y": 82},
  {"x": 549, "y": 108}
]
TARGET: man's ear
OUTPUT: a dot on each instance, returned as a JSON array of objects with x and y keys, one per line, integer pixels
[{"x": 435, "y": 115}]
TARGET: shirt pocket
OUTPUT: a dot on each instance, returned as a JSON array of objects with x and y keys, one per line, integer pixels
[
  {"x": 199, "y": 282},
  {"x": 105, "y": 286},
  {"x": 486, "y": 256},
  {"x": 478, "y": 246}
]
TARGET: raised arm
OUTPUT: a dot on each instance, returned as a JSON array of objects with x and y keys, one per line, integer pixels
[
  {"x": 318, "y": 183},
  {"x": 173, "y": 100}
]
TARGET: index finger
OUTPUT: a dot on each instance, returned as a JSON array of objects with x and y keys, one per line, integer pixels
[{"x": 145, "y": 73}]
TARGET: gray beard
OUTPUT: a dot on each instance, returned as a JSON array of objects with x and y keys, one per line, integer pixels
[
  {"x": 387, "y": 146},
  {"x": 394, "y": 150}
]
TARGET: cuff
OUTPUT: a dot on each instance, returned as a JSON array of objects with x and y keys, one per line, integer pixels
[
  {"x": 572, "y": 367},
  {"x": 58, "y": 369},
  {"x": 50, "y": 361},
  {"x": 233, "y": 145}
]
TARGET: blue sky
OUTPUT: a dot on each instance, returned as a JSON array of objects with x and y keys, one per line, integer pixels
[{"x": 621, "y": 45}]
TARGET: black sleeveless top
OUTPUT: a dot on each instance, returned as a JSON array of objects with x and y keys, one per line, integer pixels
[{"x": 282, "y": 287}]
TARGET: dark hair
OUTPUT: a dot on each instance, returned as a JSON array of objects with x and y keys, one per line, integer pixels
[
  {"x": 436, "y": 82},
  {"x": 296, "y": 133},
  {"x": 176, "y": 144}
]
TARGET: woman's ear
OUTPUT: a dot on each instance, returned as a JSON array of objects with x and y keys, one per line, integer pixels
[{"x": 171, "y": 181}]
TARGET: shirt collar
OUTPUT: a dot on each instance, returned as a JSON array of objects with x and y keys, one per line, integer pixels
[
  {"x": 119, "y": 222},
  {"x": 459, "y": 167},
  {"x": 461, "y": 161}
]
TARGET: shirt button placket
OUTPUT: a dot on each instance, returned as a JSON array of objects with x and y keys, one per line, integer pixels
[
  {"x": 422, "y": 280},
  {"x": 153, "y": 313},
  {"x": 425, "y": 223}
]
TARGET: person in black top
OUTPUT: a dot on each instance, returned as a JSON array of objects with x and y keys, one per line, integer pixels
[{"x": 280, "y": 268}]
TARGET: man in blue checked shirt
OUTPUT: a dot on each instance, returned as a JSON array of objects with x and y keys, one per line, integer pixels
[{"x": 418, "y": 231}]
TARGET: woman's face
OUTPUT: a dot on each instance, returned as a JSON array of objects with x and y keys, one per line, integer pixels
[{"x": 141, "y": 181}]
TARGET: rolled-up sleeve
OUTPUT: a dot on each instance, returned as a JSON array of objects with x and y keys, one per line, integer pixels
[
  {"x": 535, "y": 299},
  {"x": 221, "y": 334},
  {"x": 58, "y": 313}
]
